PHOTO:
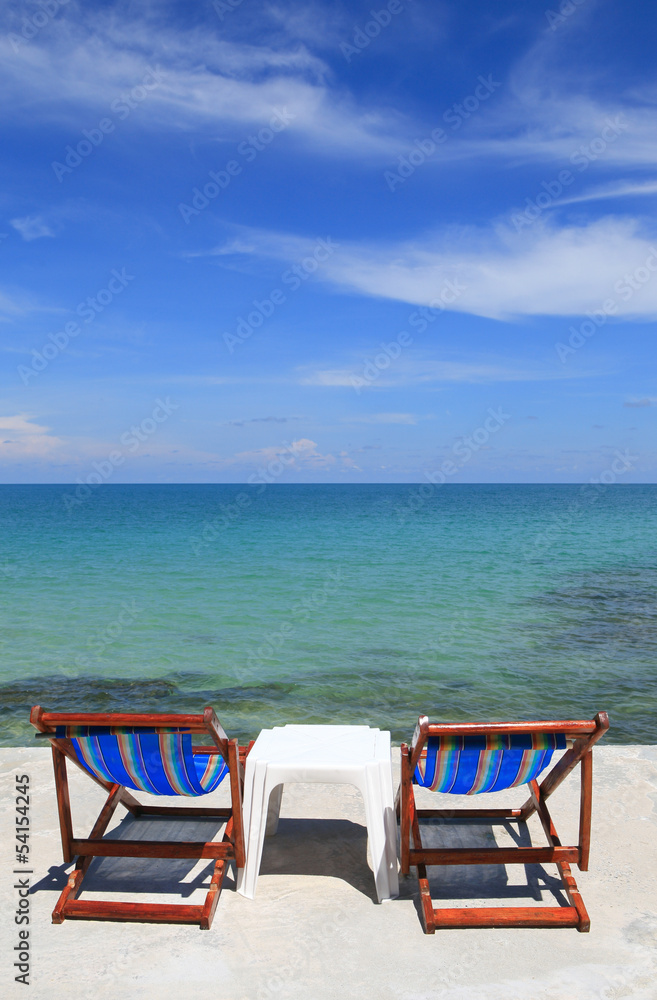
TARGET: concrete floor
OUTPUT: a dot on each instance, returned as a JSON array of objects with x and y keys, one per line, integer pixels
[{"x": 315, "y": 930}]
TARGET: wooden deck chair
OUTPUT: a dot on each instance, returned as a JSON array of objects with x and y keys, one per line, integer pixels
[
  {"x": 467, "y": 759},
  {"x": 149, "y": 753}
]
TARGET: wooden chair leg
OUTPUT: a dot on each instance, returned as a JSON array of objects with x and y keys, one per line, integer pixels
[
  {"x": 69, "y": 907},
  {"x": 236, "y": 802},
  {"x": 131, "y": 803},
  {"x": 63, "y": 803},
  {"x": 574, "y": 898},
  {"x": 71, "y": 889},
  {"x": 435, "y": 918},
  {"x": 412, "y": 822},
  {"x": 428, "y": 912},
  {"x": 212, "y": 898},
  {"x": 585, "y": 811},
  {"x": 74, "y": 883}
]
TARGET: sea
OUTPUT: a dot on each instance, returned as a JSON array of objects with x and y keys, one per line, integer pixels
[{"x": 349, "y": 604}]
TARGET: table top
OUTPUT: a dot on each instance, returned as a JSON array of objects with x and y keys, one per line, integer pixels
[{"x": 321, "y": 745}]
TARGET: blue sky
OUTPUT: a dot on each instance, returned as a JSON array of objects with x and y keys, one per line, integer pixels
[{"x": 333, "y": 246}]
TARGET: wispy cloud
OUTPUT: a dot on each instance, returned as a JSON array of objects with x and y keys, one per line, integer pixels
[
  {"x": 551, "y": 127},
  {"x": 417, "y": 371},
  {"x": 333, "y": 377},
  {"x": 31, "y": 227},
  {"x": 615, "y": 189},
  {"x": 210, "y": 79},
  {"x": 204, "y": 80},
  {"x": 261, "y": 420},
  {"x": 310, "y": 22},
  {"x": 638, "y": 403},
  {"x": 8, "y": 307},
  {"x": 13, "y": 304},
  {"x": 544, "y": 271},
  {"x": 382, "y": 418},
  {"x": 298, "y": 454},
  {"x": 550, "y": 106}
]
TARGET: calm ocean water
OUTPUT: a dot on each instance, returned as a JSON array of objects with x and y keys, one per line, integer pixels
[{"x": 346, "y": 604}]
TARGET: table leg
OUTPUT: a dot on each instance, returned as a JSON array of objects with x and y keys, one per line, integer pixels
[
  {"x": 274, "y": 810},
  {"x": 256, "y": 796},
  {"x": 390, "y": 829},
  {"x": 376, "y": 789}
]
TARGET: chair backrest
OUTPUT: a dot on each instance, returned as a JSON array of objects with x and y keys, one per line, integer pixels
[
  {"x": 149, "y": 753},
  {"x": 159, "y": 763},
  {"x": 466, "y": 765},
  {"x": 468, "y": 759}
]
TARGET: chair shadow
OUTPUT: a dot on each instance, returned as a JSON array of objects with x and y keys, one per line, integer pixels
[
  {"x": 335, "y": 848},
  {"x": 146, "y": 875},
  {"x": 487, "y": 882}
]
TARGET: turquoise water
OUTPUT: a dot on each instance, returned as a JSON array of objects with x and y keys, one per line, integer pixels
[{"x": 350, "y": 604}]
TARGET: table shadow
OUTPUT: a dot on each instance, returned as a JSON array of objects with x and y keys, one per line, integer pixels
[{"x": 335, "y": 848}]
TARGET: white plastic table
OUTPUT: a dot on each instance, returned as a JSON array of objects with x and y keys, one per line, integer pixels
[{"x": 354, "y": 755}]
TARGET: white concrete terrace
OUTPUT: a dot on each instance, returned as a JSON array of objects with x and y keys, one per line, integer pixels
[{"x": 315, "y": 930}]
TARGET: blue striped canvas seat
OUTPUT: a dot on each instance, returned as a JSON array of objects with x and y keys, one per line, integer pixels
[
  {"x": 161, "y": 763},
  {"x": 469, "y": 764}
]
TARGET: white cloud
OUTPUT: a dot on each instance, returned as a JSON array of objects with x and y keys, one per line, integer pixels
[
  {"x": 348, "y": 462},
  {"x": 210, "y": 80},
  {"x": 315, "y": 23},
  {"x": 543, "y": 270},
  {"x": 204, "y": 81},
  {"x": 298, "y": 454},
  {"x": 31, "y": 227},
  {"x": 416, "y": 371},
  {"x": 337, "y": 377},
  {"x": 260, "y": 420},
  {"x": 382, "y": 418},
  {"x": 10, "y": 307},
  {"x": 20, "y": 438},
  {"x": 639, "y": 403},
  {"x": 553, "y": 127},
  {"x": 616, "y": 189},
  {"x": 551, "y": 103}
]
